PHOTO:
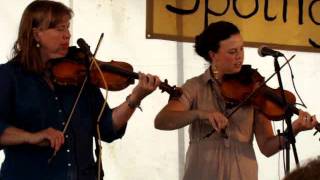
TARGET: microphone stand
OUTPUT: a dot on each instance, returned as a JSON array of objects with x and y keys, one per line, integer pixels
[{"x": 288, "y": 134}]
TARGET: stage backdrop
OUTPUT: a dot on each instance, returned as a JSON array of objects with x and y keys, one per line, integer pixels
[{"x": 286, "y": 24}]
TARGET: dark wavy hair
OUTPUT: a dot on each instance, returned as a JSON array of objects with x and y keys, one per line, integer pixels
[
  {"x": 309, "y": 171},
  {"x": 40, "y": 13},
  {"x": 210, "y": 38}
]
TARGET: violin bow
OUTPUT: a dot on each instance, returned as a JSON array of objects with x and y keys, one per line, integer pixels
[{"x": 82, "y": 42}]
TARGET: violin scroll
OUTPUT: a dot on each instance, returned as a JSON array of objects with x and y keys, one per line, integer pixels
[{"x": 174, "y": 91}]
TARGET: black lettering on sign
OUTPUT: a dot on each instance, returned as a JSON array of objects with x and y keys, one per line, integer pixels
[
  {"x": 245, "y": 16},
  {"x": 313, "y": 43},
  {"x": 184, "y": 11},
  {"x": 266, "y": 16},
  {"x": 311, "y": 12},
  {"x": 222, "y": 13}
]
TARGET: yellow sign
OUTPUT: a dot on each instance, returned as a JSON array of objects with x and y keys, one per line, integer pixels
[{"x": 283, "y": 24}]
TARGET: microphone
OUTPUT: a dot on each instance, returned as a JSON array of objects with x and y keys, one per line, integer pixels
[
  {"x": 265, "y": 51},
  {"x": 84, "y": 46}
]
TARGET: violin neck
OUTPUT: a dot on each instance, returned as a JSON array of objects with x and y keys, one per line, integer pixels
[
  {"x": 125, "y": 73},
  {"x": 164, "y": 86},
  {"x": 120, "y": 71}
]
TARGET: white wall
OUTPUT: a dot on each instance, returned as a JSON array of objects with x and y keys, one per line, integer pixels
[{"x": 145, "y": 153}]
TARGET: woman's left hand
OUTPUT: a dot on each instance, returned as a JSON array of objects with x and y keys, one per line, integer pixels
[
  {"x": 147, "y": 84},
  {"x": 304, "y": 122}
]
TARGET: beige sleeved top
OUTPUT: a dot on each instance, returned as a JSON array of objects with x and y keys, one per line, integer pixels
[{"x": 215, "y": 157}]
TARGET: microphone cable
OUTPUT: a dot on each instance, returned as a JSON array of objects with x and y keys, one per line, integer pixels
[{"x": 294, "y": 85}]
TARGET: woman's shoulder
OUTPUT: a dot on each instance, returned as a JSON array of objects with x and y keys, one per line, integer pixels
[
  {"x": 9, "y": 68},
  {"x": 6, "y": 67},
  {"x": 199, "y": 80},
  {"x": 11, "y": 64},
  {"x": 8, "y": 73}
]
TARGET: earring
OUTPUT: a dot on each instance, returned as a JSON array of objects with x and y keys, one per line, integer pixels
[
  {"x": 215, "y": 71},
  {"x": 37, "y": 45}
]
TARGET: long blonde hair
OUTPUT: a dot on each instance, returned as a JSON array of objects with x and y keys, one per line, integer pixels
[{"x": 40, "y": 13}]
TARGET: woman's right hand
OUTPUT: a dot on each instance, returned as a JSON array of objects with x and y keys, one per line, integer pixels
[
  {"x": 216, "y": 119},
  {"x": 49, "y": 136}
]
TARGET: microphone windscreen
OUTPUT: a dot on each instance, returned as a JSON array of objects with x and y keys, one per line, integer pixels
[
  {"x": 81, "y": 42},
  {"x": 84, "y": 46},
  {"x": 261, "y": 50}
]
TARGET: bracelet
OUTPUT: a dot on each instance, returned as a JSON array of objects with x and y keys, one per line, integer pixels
[{"x": 132, "y": 104}]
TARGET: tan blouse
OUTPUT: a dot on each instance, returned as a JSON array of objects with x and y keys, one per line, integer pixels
[{"x": 215, "y": 157}]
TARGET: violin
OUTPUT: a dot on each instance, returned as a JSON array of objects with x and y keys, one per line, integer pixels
[
  {"x": 75, "y": 67},
  {"x": 236, "y": 88},
  {"x": 248, "y": 87}
]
